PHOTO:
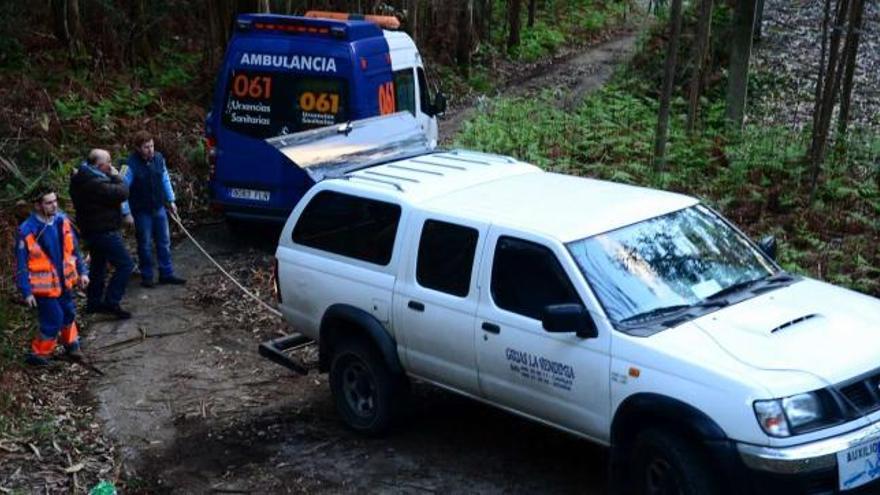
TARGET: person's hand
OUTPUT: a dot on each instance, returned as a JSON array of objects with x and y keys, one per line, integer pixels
[
  {"x": 173, "y": 207},
  {"x": 83, "y": 281},
  {"x": 31, "y": 301},
  {"x": 113, "y": 171},
  {"x": 128, "y": 220}
]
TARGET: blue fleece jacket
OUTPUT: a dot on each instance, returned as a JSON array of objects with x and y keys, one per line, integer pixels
[{"x": 49, "y": 238}]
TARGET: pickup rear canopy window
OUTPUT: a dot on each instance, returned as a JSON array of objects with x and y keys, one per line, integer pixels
[
  {"x": 446, "y": 257},
  {"x": 351, "y": 226},
  {"x": 263, "y": 104}
]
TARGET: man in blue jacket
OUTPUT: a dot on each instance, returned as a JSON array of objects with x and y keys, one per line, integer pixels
[
  {"x": 49, "y": 267},
  {"x": 150, "y": 192}
]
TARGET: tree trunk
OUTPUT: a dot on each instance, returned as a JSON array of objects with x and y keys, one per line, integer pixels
[
  {"x": 701, "y": 51},
  {"x": 263, "y": 7},
  {"x": 139, "y": 44},
  {"x": 668, "y": 80},
  {"x": 59, "y": 18},
  {"x": 759, "y": 20},
  {"x": 825, "y": 104},
  {"x": 820, "y": 77},
  {"x": 486, "y": 21},
  {"x": 464, "y": 45},
  {"x": 850, "y": 50},
  {"x": 74, "y": 24},
  {"x": 532, "y": 6},
  {"x": 740, "y": 53},
  {"x": 514, "y": 7}
]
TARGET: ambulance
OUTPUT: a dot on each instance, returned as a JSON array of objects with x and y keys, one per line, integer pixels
[{"x": 288, "y": 74}]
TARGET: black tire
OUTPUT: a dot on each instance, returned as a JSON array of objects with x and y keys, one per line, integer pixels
[
  {"x": 366, "y": 393},
  {"x": 666, "y": 464}
]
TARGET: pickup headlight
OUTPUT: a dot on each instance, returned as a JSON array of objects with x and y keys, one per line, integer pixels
[{"x": 779, "y": 417}]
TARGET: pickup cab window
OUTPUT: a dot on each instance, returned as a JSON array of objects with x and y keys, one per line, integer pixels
[
  {"x": 446, "y": 257},
  {"x": 526, "y": 277},
  {"x": 348, "y": 225}
]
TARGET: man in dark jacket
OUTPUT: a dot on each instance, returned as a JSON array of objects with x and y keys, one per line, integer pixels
[{"x": 98, "y": 192}]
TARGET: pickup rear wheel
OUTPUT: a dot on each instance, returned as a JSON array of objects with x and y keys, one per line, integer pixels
[
  {"x": 363, "y": 388},
  {"x": 665, "y": 464}
]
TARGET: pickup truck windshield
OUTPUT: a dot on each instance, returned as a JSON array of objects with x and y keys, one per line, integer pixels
[
  {"x": 674, "y": 261},
  {"x": 267, "y": 104}
]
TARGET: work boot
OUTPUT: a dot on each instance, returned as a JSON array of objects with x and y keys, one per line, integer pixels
[
  {"x": 34, "y": 360},
  {"x": 74, "y": 354},
  {"x": 92, "y": 308},
  {"x": 172, "y": 280},
  {"x": 118, "y": 312}
]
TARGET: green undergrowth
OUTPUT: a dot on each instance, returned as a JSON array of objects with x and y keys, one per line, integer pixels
[{"x": 757, "y": 177}]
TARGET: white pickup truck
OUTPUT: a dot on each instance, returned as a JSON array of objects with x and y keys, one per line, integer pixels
[{"x": 638, "y": 319}]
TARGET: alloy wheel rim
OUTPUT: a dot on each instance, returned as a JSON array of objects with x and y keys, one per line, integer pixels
[
  {"x": 660, "y": 478},
  {"x": 359, "y": 389}
]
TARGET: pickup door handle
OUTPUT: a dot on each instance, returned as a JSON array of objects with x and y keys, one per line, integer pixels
[
  {"x": 415, "y": 305},
  {"x": 491, "y": 327}
]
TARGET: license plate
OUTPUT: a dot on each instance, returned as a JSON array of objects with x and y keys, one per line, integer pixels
[
  {"x": 251, "y": 194},
  {"x": 859, "y": 465}
]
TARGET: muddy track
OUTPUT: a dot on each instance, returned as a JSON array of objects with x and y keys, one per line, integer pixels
[
  {"x": 573, "y": 75},
  {"x": 194, "y": 409}
]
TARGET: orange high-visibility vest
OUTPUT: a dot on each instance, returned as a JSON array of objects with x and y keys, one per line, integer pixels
[{"x": 41, "y": 274}]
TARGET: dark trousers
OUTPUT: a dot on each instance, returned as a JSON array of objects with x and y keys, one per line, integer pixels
[{"x": 107, "y": 247}]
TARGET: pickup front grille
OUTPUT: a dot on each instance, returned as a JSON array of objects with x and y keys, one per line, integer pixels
[{"x": 863, "y": 395}]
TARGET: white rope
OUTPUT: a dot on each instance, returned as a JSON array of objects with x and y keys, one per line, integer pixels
[{"x": 224, "y": 272}]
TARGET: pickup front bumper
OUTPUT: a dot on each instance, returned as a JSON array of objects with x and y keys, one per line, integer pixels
[{"x": 814, "y": 463}]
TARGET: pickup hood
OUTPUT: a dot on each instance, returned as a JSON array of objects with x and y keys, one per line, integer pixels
[{"x": 810, "y": 326}]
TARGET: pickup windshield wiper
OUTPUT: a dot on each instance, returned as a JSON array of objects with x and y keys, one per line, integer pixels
[
  {"x": 653, "y": 313},
  {"x": 749, "y": 284}
]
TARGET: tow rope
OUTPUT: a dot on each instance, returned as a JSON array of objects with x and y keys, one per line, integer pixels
[{"x": 222, "y": 270}]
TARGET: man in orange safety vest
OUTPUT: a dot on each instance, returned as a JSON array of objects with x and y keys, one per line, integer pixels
[{"x": 49, "y": 267}]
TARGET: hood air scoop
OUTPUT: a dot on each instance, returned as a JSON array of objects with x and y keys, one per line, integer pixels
[{"x": 794, "y": 322}]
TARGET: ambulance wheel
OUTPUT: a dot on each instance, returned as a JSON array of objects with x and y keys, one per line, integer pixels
[
  {"x": 666, "y": 464},
  {"x": 364, "y": 389},
  {"x": 236, "y": 227}
]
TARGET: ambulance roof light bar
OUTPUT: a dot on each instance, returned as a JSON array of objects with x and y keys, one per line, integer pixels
[{"x": 383, "y": 21}]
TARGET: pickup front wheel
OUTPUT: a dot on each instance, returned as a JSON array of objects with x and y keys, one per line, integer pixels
[
  {"x": 666, "y": 464},
  {"x": 363, "y": 388}
]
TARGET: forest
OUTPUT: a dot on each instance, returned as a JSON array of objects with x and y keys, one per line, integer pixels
[{"x": 766, "y": 110}]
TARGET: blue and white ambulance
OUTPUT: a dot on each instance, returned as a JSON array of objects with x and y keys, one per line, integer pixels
[{"x": 288, "y": 74}]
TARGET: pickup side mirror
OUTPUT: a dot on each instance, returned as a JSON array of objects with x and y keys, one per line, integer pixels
[
  {"x": 438, "y": 106},
  {"x": 566, "y": 318},
  {"x": 768, "y": 246}
]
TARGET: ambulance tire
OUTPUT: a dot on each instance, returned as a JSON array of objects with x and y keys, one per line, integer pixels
[
  {"x": 366, "y": 393},
  {"x": 667, "y": 463}
]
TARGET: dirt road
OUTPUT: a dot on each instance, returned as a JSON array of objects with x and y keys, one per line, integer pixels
[{"x": 194, "y": 409}]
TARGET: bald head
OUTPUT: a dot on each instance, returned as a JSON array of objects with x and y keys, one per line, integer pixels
[
  {"x": 98, "y": 156},
  {"x": 100, "y": 159}
]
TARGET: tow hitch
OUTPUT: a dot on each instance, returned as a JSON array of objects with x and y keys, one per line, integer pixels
[{"x": 275, "y": 350}]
